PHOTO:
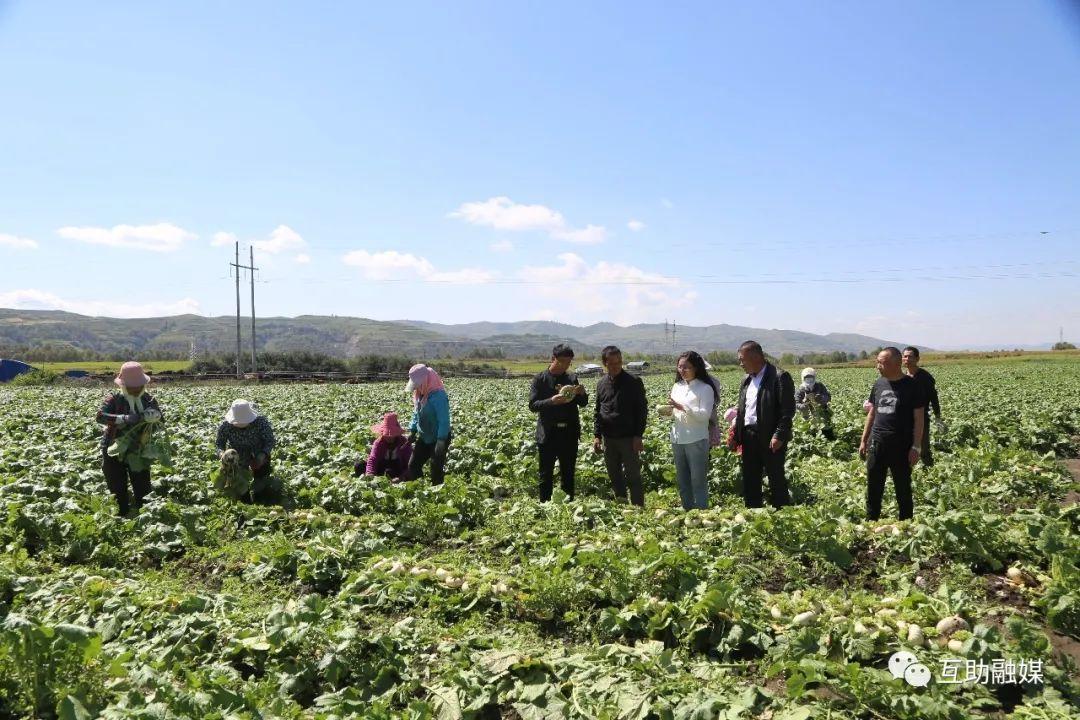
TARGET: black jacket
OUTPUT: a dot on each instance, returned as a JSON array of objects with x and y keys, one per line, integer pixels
[
  {"x": 775, "y": 409},
  {"x": 549, "y": 416},
  {"x": 622, "y": 410}
]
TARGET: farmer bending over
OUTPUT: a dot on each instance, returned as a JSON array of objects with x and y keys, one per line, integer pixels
[
  {"x": 120, "y": 413},
  {"x": 390, "y": 453},
  {"x": 249, "y": 435}
]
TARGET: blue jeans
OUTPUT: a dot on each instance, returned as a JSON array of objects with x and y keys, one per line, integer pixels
[{"x": 691, "y": 473}]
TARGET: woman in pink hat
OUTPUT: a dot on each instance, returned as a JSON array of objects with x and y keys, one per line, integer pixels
[
  {"x": 390, "y": 453},
  {"x": 120, "y": 413}
]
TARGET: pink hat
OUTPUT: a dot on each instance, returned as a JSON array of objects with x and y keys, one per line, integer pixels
[
  {"x": 131, "y": 375},
  {"x": 388, "y": 426}
]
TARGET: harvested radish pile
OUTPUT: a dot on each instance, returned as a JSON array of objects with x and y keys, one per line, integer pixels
[{"x": 371, "y": 599}]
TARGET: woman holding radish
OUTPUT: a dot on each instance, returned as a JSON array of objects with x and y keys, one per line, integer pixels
[
  {"x": 124, "y": 412},
  {"x": 692, "y": 406}
]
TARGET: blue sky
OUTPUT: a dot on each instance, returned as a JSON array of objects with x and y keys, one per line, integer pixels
[{"x": 888, "y": 169}]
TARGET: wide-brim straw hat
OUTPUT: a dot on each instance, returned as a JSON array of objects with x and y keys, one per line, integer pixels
[
  {"x": 241, "y": 412},
  {"x": 388, "y": 426},
  {"x": 131, "y": 375}
]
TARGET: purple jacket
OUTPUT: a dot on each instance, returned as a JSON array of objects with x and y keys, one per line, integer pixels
[{"x": 389, "y": 457}]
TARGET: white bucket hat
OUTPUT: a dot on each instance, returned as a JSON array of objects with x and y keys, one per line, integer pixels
[
  {"x": 242, "y": 412},
  {"x": 808, "y": 371}
]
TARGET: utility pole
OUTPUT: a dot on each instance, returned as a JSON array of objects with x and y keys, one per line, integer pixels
[
  {"x": 673, "y": 345},
  {"x": 252, "y": 268},
  {"x": 238, "y": 267}
]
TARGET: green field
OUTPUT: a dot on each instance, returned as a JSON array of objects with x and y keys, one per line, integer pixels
[
  {"x": 368, "y": 599},
  {"x": 100, "y": 367}
]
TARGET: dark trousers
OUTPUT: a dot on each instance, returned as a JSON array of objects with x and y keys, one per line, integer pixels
[
  {"x": 422, "y": 452},
  {"x": 117, "y": 475},
  {"x": 561, "y": 447},
  {"x": 926, "y": 456},
  {"x": 758, "y": 460},
  {"x": 264, "y": 489},
  {"x": 888, "y": 454},
  {"x": 624, "y": 469}
]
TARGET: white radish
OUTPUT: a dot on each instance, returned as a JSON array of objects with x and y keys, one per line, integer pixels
[
  {"x": 915, "y": 635},
  {"x": 947, "y": 626},
  {"x": 804, "y": 619},
  {"x": 956, "y": 646},
  {"x": 775, "y": 612}
]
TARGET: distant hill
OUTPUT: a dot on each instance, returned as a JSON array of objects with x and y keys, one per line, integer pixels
[{"x": 348, "y": 336}]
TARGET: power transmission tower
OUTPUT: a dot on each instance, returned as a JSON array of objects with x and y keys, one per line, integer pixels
[
  {"x": 673, "y": 345},
  {"x": 239, "y": 267}
]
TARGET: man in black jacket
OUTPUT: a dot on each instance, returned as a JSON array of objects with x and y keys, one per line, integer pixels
[
  {"x": 763, "y": 425},
  {"x": 558, "y": 427},
  {"x": 622, "y": 411}
]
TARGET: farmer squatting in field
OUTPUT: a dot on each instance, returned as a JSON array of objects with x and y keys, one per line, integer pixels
[
  {"x": 250, "y": 437},
  {"x": 390, "y": 453}
]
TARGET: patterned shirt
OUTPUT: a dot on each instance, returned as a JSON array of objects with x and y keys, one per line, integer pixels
[
  {"x": 256, "y": 438},
  {"x": 116, "y": 404}
]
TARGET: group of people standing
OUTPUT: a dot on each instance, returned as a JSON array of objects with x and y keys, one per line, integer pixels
[
  {"x": 759, "y": 428},
  {"x": 761, "y": 424}
]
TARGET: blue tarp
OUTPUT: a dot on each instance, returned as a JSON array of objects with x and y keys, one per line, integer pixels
[
  {"x": 76, "y": 373},
  {"x": 11, "y": 368}
]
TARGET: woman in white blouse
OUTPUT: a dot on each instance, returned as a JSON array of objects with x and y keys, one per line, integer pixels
[{"x": 692, "y": 405}]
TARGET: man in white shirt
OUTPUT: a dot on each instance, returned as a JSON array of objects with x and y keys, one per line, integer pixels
[{"x": 763, "y": 425}]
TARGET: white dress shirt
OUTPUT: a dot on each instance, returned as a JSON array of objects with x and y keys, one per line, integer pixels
[
  {"x": 750, "y": 411},
  {"x": 692, "y": 424}
]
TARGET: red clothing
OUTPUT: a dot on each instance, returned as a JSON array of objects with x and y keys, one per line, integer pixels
[{"x": 389, "y": 456}]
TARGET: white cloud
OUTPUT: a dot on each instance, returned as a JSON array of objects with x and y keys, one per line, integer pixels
[
  {"x": 302, "y": 259},
  {"x": 282, "y": 239},
  {"x": 17, "y": 243},
  {"x": 636, "y": 225},
  {"x": 162, "y": 237},
  {"x": 392, "y": 265},
  {"x": 502, "y": 213},
  {"x": 589, "y": 235},
  {"x": 503, "y": 246},
  {"x": 545, "y": 314},
  {"x": 609, "y": 291},
  {"x": 30, "y": 299},
  {"x": 223, "y": 238}
]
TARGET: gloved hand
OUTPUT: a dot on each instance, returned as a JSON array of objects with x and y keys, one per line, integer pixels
[
  {"x": 440, "y": 448},
  {"x": 130, "y": 419},
  {"x": 151, "y": 415}
]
